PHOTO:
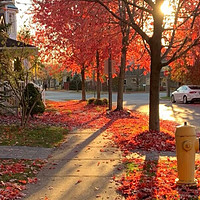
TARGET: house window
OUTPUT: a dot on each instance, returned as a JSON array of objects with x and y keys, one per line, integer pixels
[{"x": 11, "y": 20}]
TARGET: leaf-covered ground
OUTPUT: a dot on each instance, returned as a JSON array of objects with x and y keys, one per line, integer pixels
[
  {"x": 130, "y": 128},
  {"x": 147, "y": 179},
  {"x": 15, "y": 174},
  {"x": 144, "y": 179}
]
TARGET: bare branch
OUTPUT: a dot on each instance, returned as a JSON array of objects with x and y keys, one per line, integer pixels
[
  {"x": 195, "y": 14},
  {"x": 150, "y": 2},
  {"x": 131, "y": 22},
  {"x": 175, "y": 56},
  {"x": 134, "y": 25},
  {"x": 141, "y": 8},
  {"x": 173, "y": 33},
  {"x": 145, "y": 45}
]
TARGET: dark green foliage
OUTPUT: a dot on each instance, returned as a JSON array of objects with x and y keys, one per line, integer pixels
[
  {"x": 75, "y": 83},
  {"x": 3, "y": 34},
  {"x": 91, "y": 100},
  {"x": 105, "y": 101},
  {"x": 33, "y": 96},
  {"x": 17, "y": 65},
  {"x": 98, "y": 101}
]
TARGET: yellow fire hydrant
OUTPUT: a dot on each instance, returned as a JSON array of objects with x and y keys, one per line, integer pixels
[{"x": 186, "y": 146}]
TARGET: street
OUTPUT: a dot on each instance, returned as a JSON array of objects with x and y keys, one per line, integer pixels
[{"x": 178, "y": 112}]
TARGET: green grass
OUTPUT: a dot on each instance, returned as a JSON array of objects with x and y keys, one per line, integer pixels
[
  {"x": 39, "y": 136},
  {"x": 131, "y": 167}
]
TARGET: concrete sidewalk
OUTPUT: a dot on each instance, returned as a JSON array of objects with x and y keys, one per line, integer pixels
[
  {"x": 82, "y": 169},
  {"x": 24, "y": 152}
]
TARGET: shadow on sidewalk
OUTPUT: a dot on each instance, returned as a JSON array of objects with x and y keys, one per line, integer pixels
[{"x": 61, "y": 172}]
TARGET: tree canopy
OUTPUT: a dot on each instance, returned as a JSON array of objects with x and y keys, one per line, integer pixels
[{"x": 73, "y": 29}]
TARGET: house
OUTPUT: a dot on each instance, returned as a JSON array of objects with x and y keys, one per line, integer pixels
[
  {"x": 135, "y": 80},
  {"x": 10, "y": 46},
  {"x": 8, "y": 12},
  {"x": 8, "y": 42}
]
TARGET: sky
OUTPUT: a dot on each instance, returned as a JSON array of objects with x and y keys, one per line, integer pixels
[{"x": 22, "y": 17}]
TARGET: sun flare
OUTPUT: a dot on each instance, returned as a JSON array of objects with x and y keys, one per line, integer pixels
[{"x": 165, "y": 8}]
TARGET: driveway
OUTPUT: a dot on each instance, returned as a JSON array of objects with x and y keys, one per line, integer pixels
[{"x": 139, "y": 101}]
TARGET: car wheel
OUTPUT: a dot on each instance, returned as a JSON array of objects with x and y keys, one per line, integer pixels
[
  {"x": 173, "y": 99},
  {"x": 185, "y": 100}
]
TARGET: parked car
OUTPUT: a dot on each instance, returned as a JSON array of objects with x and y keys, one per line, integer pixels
[{"x": 186, "y": 93}]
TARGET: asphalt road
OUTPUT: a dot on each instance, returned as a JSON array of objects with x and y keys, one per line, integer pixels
[{"x": 178, "y": 112}]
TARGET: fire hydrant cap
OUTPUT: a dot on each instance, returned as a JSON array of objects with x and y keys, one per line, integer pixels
[{"x": 185, "y": 130}]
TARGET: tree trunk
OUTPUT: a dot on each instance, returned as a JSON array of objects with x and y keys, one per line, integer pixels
[
  {"x": 168, "y": 86},
  {"x": 77, "y": 83},
  {"x": 154, "y": 85},
  {"x": 125, "y": 33},
  {"x": 83, "y": 84},
  {"x": 154, "y": 98},
  {"x": 110, "y": 81},
  {"x": 98, "y": 76},
  {"x": 121, "y": 79},
  {"x": 155, "y": 48}
]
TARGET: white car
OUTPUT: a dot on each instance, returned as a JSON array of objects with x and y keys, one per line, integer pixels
[{"x": 186, "y": 93}]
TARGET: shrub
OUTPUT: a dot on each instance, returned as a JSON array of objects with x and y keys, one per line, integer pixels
[
  {"x": 32, "y": 95},
  {"x": 91, "y": 100},
  {"x": 98, "y": 102},
  {"x": 105, "y": 101}
]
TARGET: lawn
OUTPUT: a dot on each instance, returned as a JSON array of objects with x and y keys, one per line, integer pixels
[{"x": 34, "y": 136}]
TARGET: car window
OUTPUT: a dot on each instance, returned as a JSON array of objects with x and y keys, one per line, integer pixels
[
  {"x": 194, "y": 87},
  {"x": 180, "y": 89},
  {"x": 184, "y": 88}
]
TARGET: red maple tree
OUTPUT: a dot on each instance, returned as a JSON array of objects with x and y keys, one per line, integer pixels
[
  {"x": 161, "y": 38},
  {"x": 76, "y": 36},
  {"x": 166, "y": 37}
]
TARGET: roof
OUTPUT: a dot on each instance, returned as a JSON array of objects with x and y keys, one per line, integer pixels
[
  {"x": 12, "y": 7},
  {"x": 14, "y": 43},
  {"x": 15, "y": 47}
]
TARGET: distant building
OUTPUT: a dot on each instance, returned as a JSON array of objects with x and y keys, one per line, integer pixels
[{"x": 135, "y": 80}]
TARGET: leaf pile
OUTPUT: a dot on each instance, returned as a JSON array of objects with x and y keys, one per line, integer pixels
[
  {"x": 131, "y": 133},
  {"x": 151, "y": 179},
  {"x": 15, "y": 174}
]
